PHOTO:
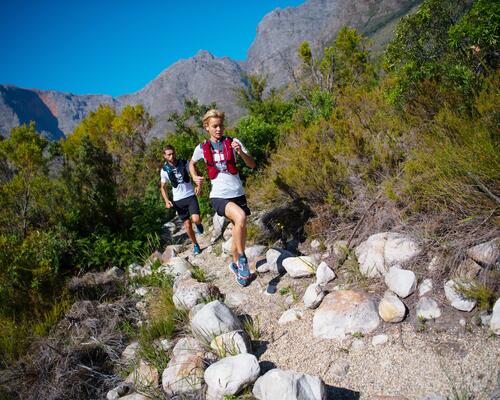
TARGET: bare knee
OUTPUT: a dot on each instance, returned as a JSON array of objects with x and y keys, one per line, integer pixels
[
  {"x": 240, "y": 219},
  {"x": 196, "y": 218}
]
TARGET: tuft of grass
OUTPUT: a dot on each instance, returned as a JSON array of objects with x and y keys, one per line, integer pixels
[
  {"x": 217, "y": 249},
  {"x": 156, "y": 279},
  {"x": 354, "y": 275},
  {"x": 358, "y": 335},
  {"x": 199, "y": 274},
  {"x": 482, "y": 294},
  {"x": 421, "y": 326},
  {"x": 252, "y": 328}
]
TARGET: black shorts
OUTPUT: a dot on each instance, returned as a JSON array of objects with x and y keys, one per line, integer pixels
[
  {"x": 220, "y": 204},
  {"x": 186, "y": 207}
]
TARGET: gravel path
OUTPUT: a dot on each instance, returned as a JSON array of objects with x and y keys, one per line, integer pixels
[{"x": 415, "y": 362}]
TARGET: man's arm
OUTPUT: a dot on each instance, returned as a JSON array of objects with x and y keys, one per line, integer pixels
[
  {"x": 247, "y": 158},
  {"x": 164, "y": 194}
]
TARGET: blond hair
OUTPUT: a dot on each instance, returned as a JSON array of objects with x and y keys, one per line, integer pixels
[{"x": 213, "y": 113}]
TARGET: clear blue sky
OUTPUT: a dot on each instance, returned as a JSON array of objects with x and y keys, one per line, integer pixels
[{"x": 117, "y": 47}]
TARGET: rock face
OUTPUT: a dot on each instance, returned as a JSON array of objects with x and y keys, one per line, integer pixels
[
  {"x": 343, "y": 312},
  {"x": 288, "y": 385},
  {"x": 274, "y": 50},
  {"x": 205, "y": 77}
]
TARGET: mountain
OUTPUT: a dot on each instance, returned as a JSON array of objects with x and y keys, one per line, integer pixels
[
  {"x": 274, "y": 50},
  {"x": 207, "y": 78}
]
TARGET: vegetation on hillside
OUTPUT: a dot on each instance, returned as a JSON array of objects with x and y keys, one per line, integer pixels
[{"x": 420, "y": 138}]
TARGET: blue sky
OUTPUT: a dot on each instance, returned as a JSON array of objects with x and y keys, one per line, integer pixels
[{"x": 117, "y": 47}]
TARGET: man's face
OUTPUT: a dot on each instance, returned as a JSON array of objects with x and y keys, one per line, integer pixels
[
  {"x": 169, "y": 156},
  {"x": 215, "y": 128}
]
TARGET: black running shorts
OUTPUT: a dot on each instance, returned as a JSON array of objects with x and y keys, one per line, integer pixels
[
  {"x": 186, "y": 207},
  {"x": 219, "y": 204}
]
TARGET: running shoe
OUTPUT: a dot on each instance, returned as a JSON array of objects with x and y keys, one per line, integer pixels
[
  {"x": 244, "y": 275},
  {"x": 233, "y": 268},
  {"x": 196, "y": 249}
]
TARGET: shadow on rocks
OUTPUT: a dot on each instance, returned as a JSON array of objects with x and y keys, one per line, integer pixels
[
  {"x": 337, "y": 393},
  {"x": 266, "y": 366}
]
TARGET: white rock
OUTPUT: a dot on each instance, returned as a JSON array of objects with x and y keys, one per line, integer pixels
[
  {"x": 144, "y": 375},
  {"x": 432, "y": 396},
  {"x": 141, "y": 291},
  {"x": 462, "y": 322},
  {"x": 427, "y": 308},
  {"x": 468, "y": 269},
  {"x": 495, "y": 318},
  {"x": 232, "y": 343},
  {"x": 230, "y": 375},
  {"x": 133, "y": 270},
  {"x": 382, "y": 250},
  {"x": 299, "y": 267},
  {"x": 184, "y": 372},
  {"x": 112, "y": 395},
  {"x": 391, "y": 308},
  {"x": 278, "y": 384},
  {"x": 401, "y": 281},
  {"x": 213, "y": 320},
  {"x": 130, "y": 352},
  {"x": 169, "y": 252},
  {"x": 313, "y": 295},
  {"x": 219, "y": 223},
  {"x": 188, "y": 292},
  {"x": 291, "y": 315},
  {"x": 115, "y": 272},
  {"x": 425, "y": 287},
  {"x": 275, "y": 259},
  {"x": 263, "y": 268},
  {"x": 227, "y": 246},
  {"x": 456, "y": 299},
  {"x": 315, "y": 244},
  {"x": 485, "y": 318},
  {"x": 235, "y": 299},
  {"x": 165, "y": 344},
  {"x": 486, "y": 253},
  {"x": 254, "y": 251},
  {"x": 135, "y": 396},
  {"x": 176, "y": 266},
  {"x": 343, "y": 312},
  {"x": 324, "y": 274},
  {"x": 435, "y": 264},
  {"x": 378, "y": 340}
]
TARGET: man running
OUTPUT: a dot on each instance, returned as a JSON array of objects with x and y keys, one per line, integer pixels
[
  {"x": 227, "y": 196},
  {"x": 184, "y": 202}
]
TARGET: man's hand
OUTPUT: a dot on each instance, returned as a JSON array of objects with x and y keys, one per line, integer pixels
[
  {"x": 197, "y": 190},
  {"x": 168, "y": 204},
  {"x": 198, "y": 179}
]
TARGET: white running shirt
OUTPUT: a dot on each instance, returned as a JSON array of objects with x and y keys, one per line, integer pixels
[
  {"x": 182, "y": 190},
  {"x": 225, "y": 185}
]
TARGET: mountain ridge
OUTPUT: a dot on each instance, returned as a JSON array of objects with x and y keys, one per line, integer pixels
[{"x": 205, "y": 77}]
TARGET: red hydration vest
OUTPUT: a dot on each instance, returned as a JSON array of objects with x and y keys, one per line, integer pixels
[{"x": 229, "y": 158}]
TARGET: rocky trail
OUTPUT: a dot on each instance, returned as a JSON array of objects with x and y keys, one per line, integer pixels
[{"x": 431, "y": 358}]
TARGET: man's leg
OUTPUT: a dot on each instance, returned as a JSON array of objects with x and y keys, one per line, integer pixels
[
  {"x": 188, "y": 226},
  {"x": 239, "y": 220}
]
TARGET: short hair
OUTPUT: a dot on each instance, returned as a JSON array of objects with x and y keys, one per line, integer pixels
[
  {"x": 168, "y": 147},
  {"x": 213, "y": 113}
]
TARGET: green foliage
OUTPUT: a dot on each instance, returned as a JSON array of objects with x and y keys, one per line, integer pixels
[
  {"x": 483, "y": 295},
  {"x": 199, "y": 274},
  {"x": 453, "y": 43},
  {"x": 190, "y": 122}
]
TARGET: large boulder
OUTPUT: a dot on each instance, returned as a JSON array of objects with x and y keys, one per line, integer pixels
[
  {"x": 214, "y": 319},
  {"x": 184, "y": 372},
  {"x": 343, "y": 312},
  {"x": 230, "y": 375},
  {"x": 401, "y": 281},
  {"x": 278, "y": 384},
  {"x": 188, "y": 292},
  {"x": 300, "y": 267},
  {"x": 487, "y": 253},
  {"x": 383, "y": 250},
  {"x": 175, "y": 266}
]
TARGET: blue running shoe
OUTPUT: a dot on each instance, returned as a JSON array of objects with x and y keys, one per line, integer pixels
[
  {"x": 244, "y": 275},
  {"x": 196, "y": 249},
  {"x": 199, "y": 229},
  {"x": 233, "y": 268}
]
